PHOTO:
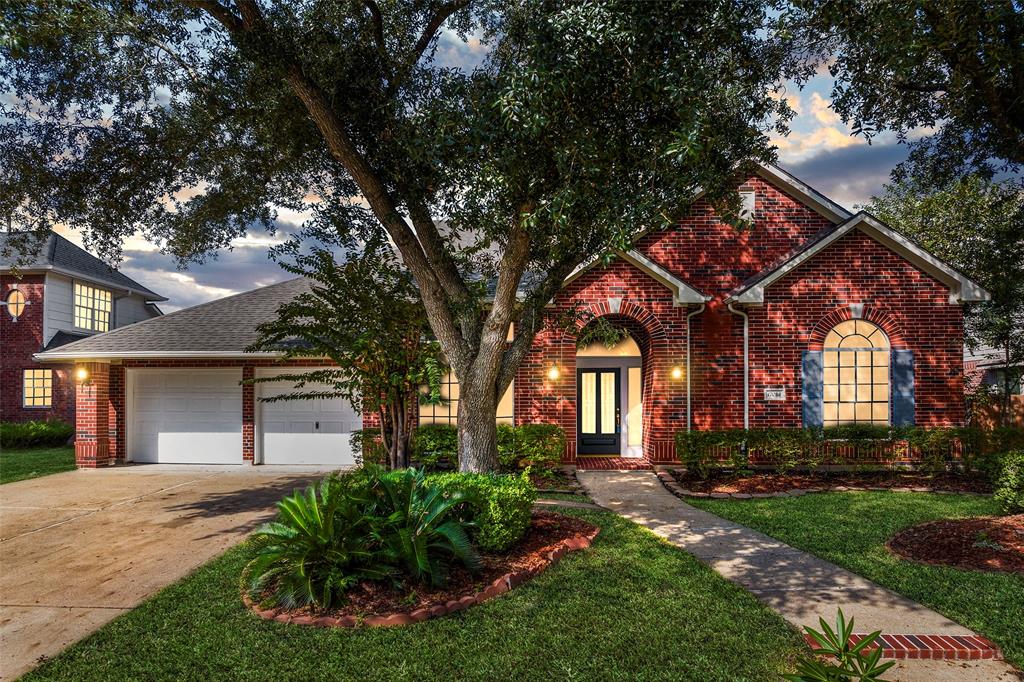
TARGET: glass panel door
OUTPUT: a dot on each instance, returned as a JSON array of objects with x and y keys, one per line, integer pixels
[{"x": 598, "y": 411}]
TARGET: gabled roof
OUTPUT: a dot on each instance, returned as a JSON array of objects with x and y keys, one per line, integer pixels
[
  {"x": 802, "y": 191},
  {"x": 60, "y": 255},
  {"x": 218, "y": 329},
  {"x": 682, "y": 292},
  {"x": 962, "y": 289}
]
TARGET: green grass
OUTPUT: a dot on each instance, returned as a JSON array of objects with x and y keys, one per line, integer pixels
[
  {"x": 17, "y": 464},
  {"x": 565, "y": 497},
  {"x": 850, "y": 529},
  {"x": 629, "y": 608}
]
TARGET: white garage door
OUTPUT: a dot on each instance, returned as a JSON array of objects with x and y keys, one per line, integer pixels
[
  {"x": 312, "y": 432},
  {"x": 185, "y": 416}
]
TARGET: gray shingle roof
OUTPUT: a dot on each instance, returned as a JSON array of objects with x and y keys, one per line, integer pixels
[
  {"x": 57, "y": 253},
  {"x": 225, "y": 326}
]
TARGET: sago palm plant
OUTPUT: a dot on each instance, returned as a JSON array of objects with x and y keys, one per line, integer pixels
[
  {"x": 321, "y": 544},
  {"x": 422, "y": 531}
]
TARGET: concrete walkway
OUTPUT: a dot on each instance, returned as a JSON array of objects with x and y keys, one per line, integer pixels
[
  {"x": 800, "y": 587},
  {"x": 77, "y": 549}
]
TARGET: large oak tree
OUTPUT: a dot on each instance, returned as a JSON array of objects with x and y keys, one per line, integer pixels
[{"x": 192, "y": 121}]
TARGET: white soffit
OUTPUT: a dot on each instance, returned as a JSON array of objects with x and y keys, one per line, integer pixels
[{"x": 683, "y": 293}]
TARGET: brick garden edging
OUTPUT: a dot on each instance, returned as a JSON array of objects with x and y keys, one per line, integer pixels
[
  {"x": 934, "y": 647},
  {"x": 673, "y": 486},
  {"x": 498, "y": 587}
]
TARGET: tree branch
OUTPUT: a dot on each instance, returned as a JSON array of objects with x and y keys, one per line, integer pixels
[
  {"x": 378, "y": 24},
  {"x": 428, "y": 34},
  {"x": 219, "y": 12}
]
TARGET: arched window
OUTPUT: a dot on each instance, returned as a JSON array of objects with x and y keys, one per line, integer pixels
[{"x": 856, "y": 377}]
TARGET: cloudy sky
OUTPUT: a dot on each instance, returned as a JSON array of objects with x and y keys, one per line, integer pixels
[{"x": 820, "y": 150}]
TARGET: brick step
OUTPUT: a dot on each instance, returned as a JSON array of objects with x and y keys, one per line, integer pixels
[
  {"x": 936, "y": 647},
  {"x": 613, "y": 463}
]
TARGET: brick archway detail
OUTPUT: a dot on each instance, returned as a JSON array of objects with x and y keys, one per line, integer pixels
[
  {"x": 874, "y": 314},
  {"x": 629, "y": 309}
]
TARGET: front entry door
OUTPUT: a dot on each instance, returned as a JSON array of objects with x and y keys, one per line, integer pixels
[{"x": 598, "y": 412}]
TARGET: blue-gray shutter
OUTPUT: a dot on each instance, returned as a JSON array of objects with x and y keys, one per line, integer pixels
[
  {"x": 902, "y": 374},
  {"x": 812, "y": 390}
]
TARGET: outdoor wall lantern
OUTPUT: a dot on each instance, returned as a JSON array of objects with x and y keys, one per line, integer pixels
[
  {"x": 82, "y": 374},
  {"x": 677, "y": 372},
  {"x": 554, "y": 373}
]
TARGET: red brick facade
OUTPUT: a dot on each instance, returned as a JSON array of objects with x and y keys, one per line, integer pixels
[
  {"x": 20, "y": 339},
  {"x": 799, "y": 309}
]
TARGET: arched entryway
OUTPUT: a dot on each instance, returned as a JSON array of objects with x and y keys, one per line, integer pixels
[{"x": 610, "y": 390}]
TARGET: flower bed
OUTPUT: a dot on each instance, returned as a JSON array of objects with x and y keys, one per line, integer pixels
[
  {"x": 548, "y": 539},
  {"x": 985, "y": 544},
  {"x": 722, "y": 484}
]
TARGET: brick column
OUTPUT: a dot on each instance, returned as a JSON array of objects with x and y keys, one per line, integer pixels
[
  {"x": 248, "y": 416},
  {"x": 92, "y": 417}
]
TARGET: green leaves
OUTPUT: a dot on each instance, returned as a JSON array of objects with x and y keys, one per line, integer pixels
[{"x": 852, "y": 662}]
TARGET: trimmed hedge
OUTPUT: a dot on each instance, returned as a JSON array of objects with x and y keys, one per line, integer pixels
[
  {"x": 434, "y": 444},
  {"x": 1010, "y": 483},
  {"x": 537, "y": 446},
  {"x": 969, "y": 448},
  {"x": 35, "y": 433},
  {"x": 499, "y": 506}
]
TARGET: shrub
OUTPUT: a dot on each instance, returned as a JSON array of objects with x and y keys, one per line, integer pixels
[
  {"x": 365, "y": 525},
  {"x": 498, "y": 506},
  {"x": 858, "y": 661},
  {"x": 320, "y": 546},
  {"x": 35, "y": 433},
  {"x": 367, "y": 447},
  {"x": 434, "y": 444},
  {"x": 1009, "y": 488},
  {"x": 536, "y": 446},
  {"x": 698, "y": 450},
  {"x": 785, "y": 449}
]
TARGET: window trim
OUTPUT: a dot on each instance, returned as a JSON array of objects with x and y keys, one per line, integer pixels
[
  {"x": 24, "y": 303},
  {"x": 75, "y": 285},
  {"x": 427, "y": 414},
  {"x": 24, "y": 386}
]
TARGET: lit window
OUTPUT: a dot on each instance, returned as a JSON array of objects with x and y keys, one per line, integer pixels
[
  {"x": 448, "y": 412},
  {"x": 15, "y": 303},
  {"x": 37, "y": 387},
  {"x": 92, "y": 308},
  {"x": 856, "y": 379}
]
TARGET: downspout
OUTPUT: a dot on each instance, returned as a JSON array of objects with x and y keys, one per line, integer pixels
[
  {"x": 746, "y": 365},
  {"x": 689, "y": 317}
]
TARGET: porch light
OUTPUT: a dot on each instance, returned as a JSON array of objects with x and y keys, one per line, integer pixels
[
  {"x": 554, "y": 373},
  {"x": 677, "y": 372},
  {"x": 81, "y": 374}
]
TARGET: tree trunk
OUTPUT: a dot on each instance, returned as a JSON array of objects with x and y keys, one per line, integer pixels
[
  {"x": 478, "y": 432},
  {"x": 1006, "y": 397}
]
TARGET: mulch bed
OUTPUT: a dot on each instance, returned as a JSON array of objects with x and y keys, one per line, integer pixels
[
  {"x": 766, "y": 483},
  {"x": 989, "y": 543},
  {"x": 549, "y": 537}
]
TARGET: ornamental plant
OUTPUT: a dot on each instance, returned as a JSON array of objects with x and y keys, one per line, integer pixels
[
  {"x": 851, "y": 662},
  {"x": 1010, "y": 484}
]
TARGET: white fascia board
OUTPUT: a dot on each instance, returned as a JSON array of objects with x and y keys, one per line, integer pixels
[
  {"x": 683, "y": 293},
  {"x": 74, "y": 274},
  {"x": 962, "y": 288},
  {"x": 810, "y": 196},
  {"x": 85, "y": 356}
]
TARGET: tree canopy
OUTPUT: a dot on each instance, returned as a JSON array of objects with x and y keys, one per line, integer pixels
[
  {"x": 946, "y": 75},
  {"x": 978, "y": 227},
  {"x": 194, "y": 121}
]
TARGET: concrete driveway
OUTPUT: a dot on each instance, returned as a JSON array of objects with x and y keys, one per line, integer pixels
[{"x": 79, "y": 548}]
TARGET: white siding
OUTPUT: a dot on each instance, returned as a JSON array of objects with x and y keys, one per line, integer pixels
[
  {"x": 57, "y": 306},
  {"x": 131, "y": 309}
]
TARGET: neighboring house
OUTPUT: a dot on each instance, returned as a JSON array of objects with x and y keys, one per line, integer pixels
[
  {"x": 986, "y": 367},
  {"x": 812, "y": 316},
  {"x": 57, "y": 294}
]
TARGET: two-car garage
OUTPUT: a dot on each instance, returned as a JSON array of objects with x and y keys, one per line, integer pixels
[{"x": 196, "y": 416}]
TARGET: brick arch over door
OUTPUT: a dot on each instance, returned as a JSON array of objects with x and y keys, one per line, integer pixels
[
  {"x": 657, "y": 357},
  {"x": 876, "y": 315}
]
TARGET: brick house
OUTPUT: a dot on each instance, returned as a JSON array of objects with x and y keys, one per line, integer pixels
[
  {"x": 55, "y": 293},
  {"x": 813, "y": 316}
]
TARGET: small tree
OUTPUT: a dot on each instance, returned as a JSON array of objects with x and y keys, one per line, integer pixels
[
  {"x": 976, "y": 226},
  {"x": 366, "y": 317}
]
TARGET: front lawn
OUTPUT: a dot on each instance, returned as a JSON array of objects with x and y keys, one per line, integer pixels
[
  {"x": 17, "y": 464},
  {"x": 631, "y": 607},
  {"x": 850, "y": 529}
]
